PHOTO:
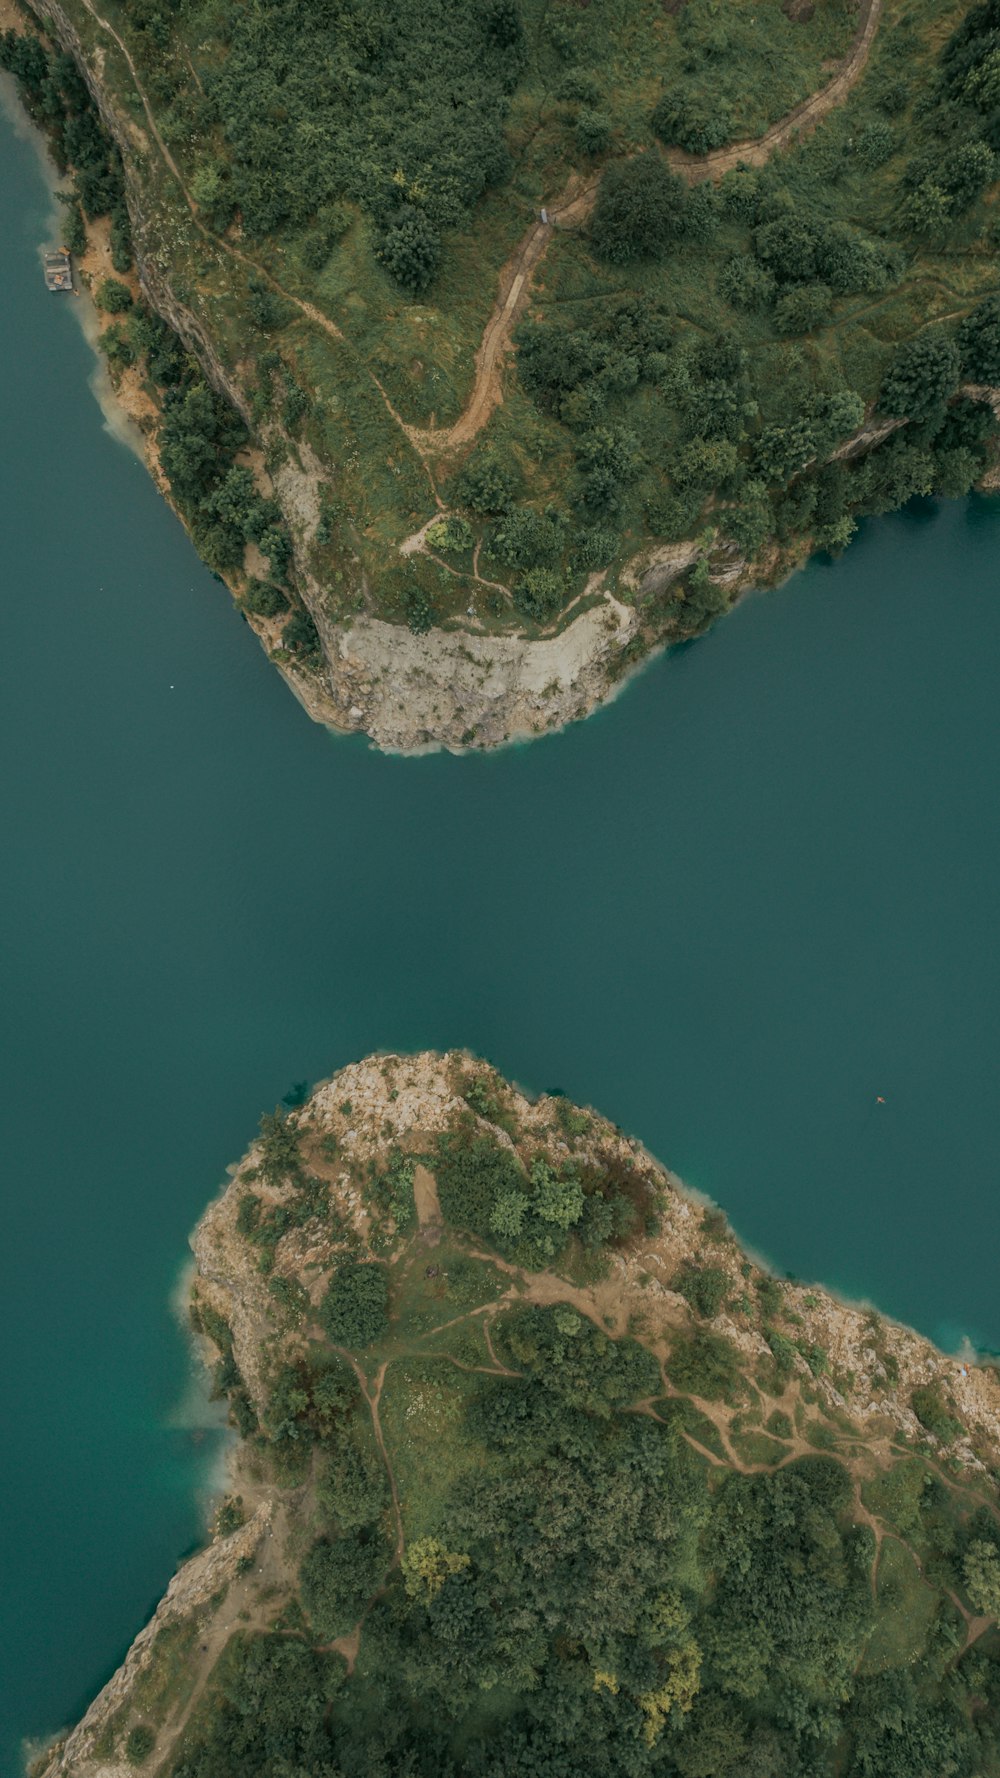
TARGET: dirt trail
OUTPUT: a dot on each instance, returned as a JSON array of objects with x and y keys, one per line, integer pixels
[
  {"x": 512, "y": 295},
  {"x": 569, "y": 211},
  {"x": 797, "y": 122},
  {"x": 373, "y": 1394},
  {"x": 252, "y": 1601},
  {"x": 574, "y": 207},
  {"x": 425, "y": 1198}
]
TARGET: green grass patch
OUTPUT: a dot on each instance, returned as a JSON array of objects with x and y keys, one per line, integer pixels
[
  {"x": 423, "y": 1414},
  {"x": 905, "y": 1609}
]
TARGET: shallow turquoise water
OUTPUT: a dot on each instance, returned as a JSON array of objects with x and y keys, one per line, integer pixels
[{"x": 730, "y": 910}]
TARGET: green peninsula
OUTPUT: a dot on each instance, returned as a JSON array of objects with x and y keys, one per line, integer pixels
[
  {"x": 537, "y": 1473},
  {"x": 506, "y": 341}
]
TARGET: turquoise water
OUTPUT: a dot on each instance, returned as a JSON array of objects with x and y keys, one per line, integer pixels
[{"x": 730, "y": 910}]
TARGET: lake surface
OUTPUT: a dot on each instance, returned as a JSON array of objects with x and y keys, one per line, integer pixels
[{"x": 730, "y": 910}]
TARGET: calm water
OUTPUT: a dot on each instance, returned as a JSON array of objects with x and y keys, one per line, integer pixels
[{"x": 755, "y": 893}]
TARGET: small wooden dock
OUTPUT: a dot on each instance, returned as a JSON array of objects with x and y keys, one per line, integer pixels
[{"x": 58, "y": 270}]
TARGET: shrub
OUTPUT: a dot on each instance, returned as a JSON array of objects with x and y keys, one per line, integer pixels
[
  {"x": 74, "y": 228},
  {"x": 337, "y": 1581},
  {"x": 705, "y": 463},
  {"x": 746, "y": 283},
  {"x": 301, "y": 637},
  {"x": 704, "y": 1287},
  {"x": 875, "y": 143},
  {"x": 472, "y": 1176},
  {"x": 979, "y": 342},
  {"x": 487, "y": 484},
  {"x": 268, "y": 310},
  {"x": 609, "y": 455},
  {"x": 354, "y": 1489},
  {"x": 354, "y": 1310},
  {"x": 592, "y": 131},
  {"x": 922, "y": 375},
  {"x": 803, "y": 308},
  {"x": 539, "y": 594},
  {"x": 928, "y": 1403},
  {"x": 452, "y": 535},
  {"x": 981, "y": 1568},
  {"x": 116, "y": 346},
  {"x": 410, "y": 248},
  {"x": 114, "y": 298},
  {"x": 595, "y": 548},
  {"x": 527, "y": 539},
  {"x": 692, "y": 126},
  {"x": 139, "y": 1743},
  {"x": 420, "y": 610},
  {"x": 770, "y": 1296},
  {"x": 707, "y": 1365},
  {"x": 639, "y": 211},
  {"x": 787, "y": 247},
  {"x": 740, "y": 192},
  {"x": 213, "y": 194},
  {"x": 264, "y": 599},
  {"x": 230, "y": 1517},
  {"x": 848, "y": 262}
]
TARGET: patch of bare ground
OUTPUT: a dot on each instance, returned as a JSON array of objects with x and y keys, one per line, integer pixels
[{"x": 425, "y": 1198}]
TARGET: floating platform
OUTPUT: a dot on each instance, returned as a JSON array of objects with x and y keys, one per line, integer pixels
[{"x": 58, "y": 270}]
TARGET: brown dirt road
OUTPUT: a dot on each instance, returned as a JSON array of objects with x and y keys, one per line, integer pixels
[
  {"x": 570, "y": 211},
  {"x": 573, "y": 209},
  {"x": 797, "y": 122}
]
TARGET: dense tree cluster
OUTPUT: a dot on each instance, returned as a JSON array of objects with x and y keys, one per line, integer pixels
[
  {"x": 944, "y": 178},
  {"x": 56, "y": 95},
  {"x": 590, "y": 1595},
  {"x": 354, "y": 1310},
  {"x": 639, "y": 212},
  {"x": 530, "y": 1214},
  {"x": 303, "y": 103}
]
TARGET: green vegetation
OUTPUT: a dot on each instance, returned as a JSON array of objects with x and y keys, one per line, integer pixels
[
  {"x": 55, "y": 93},
  {"x": 140, "y": 1743},
  {"x": 929, "y": 1405},
  {"x": 696, "y": 352},
  {"x": 580, "y": 1589},
  {"x": 529, "y": 1522},
  {"x": 705, "y": 1287},
  {"x": 535, "y": 1216},
  {"x": 354, "y": 1308}
]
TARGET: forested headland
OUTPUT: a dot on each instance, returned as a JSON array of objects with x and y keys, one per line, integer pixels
[
  {"x": 538, "y": 1474},
  {"x": 526, "y": 305}
]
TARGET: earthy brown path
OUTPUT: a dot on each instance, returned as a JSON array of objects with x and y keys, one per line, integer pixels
[
  {"x": 570, "y": 211},
  {"x": 575, "y": 206}
]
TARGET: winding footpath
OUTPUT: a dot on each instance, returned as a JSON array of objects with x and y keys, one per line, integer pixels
[{"x": 571, "y": 210}]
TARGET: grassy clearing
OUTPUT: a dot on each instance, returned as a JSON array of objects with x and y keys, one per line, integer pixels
[
  {"x": 757, "y": 1448},
  {"x": 423, "y": 1413},
  {"x": 905, "y": 1609}
]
